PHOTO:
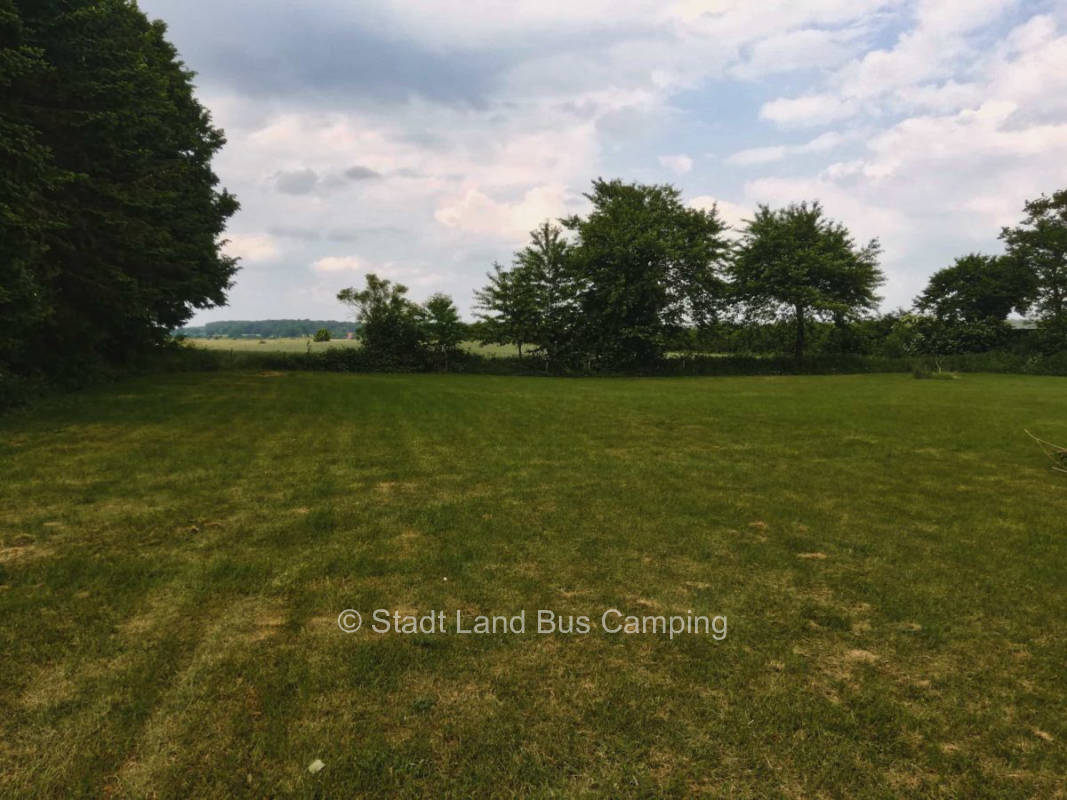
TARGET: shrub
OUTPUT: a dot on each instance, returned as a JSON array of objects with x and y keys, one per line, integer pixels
[{"x": 390, "y": 328}]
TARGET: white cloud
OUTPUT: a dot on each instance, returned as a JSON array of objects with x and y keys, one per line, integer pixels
[
  {"x": 842, "y": 169},
  {"x": 918, "y": 71},
  {"x": 733, "y": 214},
  {"x": 473, "y": 211},
  {"x": 822, "y": 142},
  {"x": 341, "y": 264},
  {"x": 936, "y": 186},
  {"x": 1031, "y": 69},
  {"x": 679, "y": 164},
  {"x": 412, "y": 275},
  {"x": 758, "y": 155},
  {"x": 938, "y": 135},
  {"x": 966, "y": 138},
  {"x": 347, "y": 268},
  {"x": 962, "y": 123},
  {"x": 767, "y": 155},
  {"x": 809, "y": 110},
  {"x": 945, "y": 97},
  {"x": 951, "y": 17},
  {"x": 807, "y": 48},
  {"x": 252, "y": 248},
  {"x": 743, "y": 19}
]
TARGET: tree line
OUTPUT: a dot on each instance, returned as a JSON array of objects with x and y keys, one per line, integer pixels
[
  {"x": 642, "y": 275},
  {"x": 110, "y": 214},
  {"x": 111, "y": 226},
  {"x": 267, "y": 328}
]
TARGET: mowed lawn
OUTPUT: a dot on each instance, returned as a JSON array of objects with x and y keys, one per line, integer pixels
[{"x": 890, "y": 553}]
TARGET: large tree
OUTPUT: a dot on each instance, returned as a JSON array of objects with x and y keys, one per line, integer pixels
[
  {"x": 535, "y": 301},
  {"x": 115, "y": 150},
  {"x": 977, "y": 287},
  {"x": 545, "y": 268},
  {"x": 970, "y": 301},
  {"x": 648, "y": 266},
  {"x": 795, "y": 263},
  {"x": 1038, "y": 244},
  {"x": 28, "y": 176}
]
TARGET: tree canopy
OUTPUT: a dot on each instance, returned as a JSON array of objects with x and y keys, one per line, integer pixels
[
  {"x": 111, "y": 214},
  {"x": 795, "y": 263},
  {"x": 1038, "y": 245},
  {"x": 648, "y": 264},
  {"x": 978, "y": 287},
  {"x": 535, "y": 302},
  {"x": 443, "y": 328}
]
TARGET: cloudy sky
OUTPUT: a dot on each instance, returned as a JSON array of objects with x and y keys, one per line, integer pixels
[{"x": 422, "y": 139}]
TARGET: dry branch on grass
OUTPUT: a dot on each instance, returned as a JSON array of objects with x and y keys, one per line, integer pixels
[{"x": 1057, "y": 455}]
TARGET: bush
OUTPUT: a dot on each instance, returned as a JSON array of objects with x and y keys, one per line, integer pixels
[{"x": 390, "y": 325}]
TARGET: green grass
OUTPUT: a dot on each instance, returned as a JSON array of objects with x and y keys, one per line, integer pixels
[
  {"x": 889, "y": 554},
  {"x": 298, "y": 345},
  {"x": 283, "y": 345}
]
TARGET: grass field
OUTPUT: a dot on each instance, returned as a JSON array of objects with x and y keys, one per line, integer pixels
[
  {"x": 889, "y": 553},
  {"x": 298, "y": 345}
]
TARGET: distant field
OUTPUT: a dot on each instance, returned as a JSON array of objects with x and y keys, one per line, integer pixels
[
  {"x": 296, "y": 345},
  {"x": 889, "y": 553}
]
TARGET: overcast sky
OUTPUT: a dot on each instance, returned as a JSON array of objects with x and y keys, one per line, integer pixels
[{"x": 422, "y": 139}]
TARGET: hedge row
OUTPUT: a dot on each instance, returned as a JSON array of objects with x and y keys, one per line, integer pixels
[{"x": 357, "y": 360}]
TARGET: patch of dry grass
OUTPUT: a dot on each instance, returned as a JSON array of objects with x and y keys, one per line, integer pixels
[{"x": 174, "y": 553}]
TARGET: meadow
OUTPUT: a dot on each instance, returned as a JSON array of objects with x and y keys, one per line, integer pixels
[
  {"x": 889, "y": 553},
  {"x": 298, "y": 345}
]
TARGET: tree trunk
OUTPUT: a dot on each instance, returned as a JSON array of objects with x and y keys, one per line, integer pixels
[
  {"x": 798, "y": 351},
  {"x": 1057, "y": 298}
]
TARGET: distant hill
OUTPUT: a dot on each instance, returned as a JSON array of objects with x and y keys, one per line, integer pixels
[{"x": 267, "y": 328}]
